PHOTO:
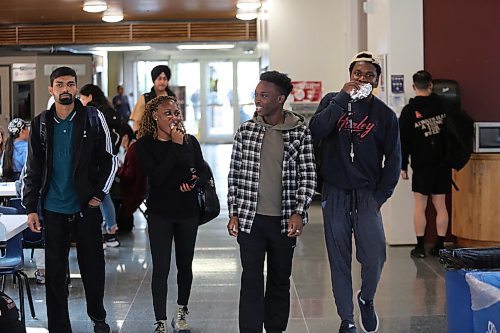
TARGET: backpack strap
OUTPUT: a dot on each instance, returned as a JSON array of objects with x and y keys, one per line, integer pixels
[
  {"x": 93, "y": 116},
  {"x": 147, "y": 97},
  {"x": 43, "y": 129}
]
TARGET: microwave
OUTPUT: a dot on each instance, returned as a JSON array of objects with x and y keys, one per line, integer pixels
[{"x": 487, "y": 137}]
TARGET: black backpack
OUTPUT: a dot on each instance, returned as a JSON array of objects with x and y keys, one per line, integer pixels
[
  {"x": 459, "y": 135},
  {"x": 458, "y": 127}
]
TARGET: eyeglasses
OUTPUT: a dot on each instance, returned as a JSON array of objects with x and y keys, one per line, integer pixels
[{"x": 368, "y": 75}]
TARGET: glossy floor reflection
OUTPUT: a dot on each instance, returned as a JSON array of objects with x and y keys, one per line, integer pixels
[{"x": 411, "y": 295}]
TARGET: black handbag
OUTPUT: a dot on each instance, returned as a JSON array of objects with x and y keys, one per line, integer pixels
[{"x": 208, "y": 200}]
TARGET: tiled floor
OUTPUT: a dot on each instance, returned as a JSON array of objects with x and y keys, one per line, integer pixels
[{"x": 410, "y": 298}]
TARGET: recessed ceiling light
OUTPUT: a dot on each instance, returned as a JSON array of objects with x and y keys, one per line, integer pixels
[
  {"x": 246, "y": 15},
  {"x": 205, "y": 46},
  {"x": 122, "y": 48},
  {"x": 112, "y": 15},
  {"x": 94, "y": 6},
  {"x": 249, "y": 5}
]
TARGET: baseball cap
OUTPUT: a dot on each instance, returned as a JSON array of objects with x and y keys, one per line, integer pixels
[
  {"x": 365, "y": 56},
  {"x": 16, "y": 125}
]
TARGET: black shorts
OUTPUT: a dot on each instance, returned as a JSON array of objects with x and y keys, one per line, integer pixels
[{"x": 436, "y": 180}]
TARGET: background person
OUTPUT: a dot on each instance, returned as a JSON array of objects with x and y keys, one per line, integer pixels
[
  {"x": 16, "y": 149},
  {"x": 423, "y": 143},
  {"x": 92, "y": 95},
  {"x": 160, "y": 75},
  {"x": 173, "y": 163},
  {"x": 360, "y": 167},
  {"x": 72, "y": 175},
  {"x": 120, "y": 103},
  {"x": 132, "y": 183},
  {"x": 271, "y": 183}
]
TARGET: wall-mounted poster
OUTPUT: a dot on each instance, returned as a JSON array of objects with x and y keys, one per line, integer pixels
[
  {"x": 306, "y": 91},
  {"x": 381, "y": 90}
]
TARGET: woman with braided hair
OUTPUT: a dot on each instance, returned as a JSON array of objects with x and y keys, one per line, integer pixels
[{"x": 173, "y": 163}]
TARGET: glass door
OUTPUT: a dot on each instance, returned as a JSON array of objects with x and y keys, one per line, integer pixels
[
  {"x": 218, "y": 120},
  {"x": 248, "y": 78},
  {"x": 187, "y": 74}
]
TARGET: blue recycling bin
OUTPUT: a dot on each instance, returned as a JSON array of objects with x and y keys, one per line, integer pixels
[
  {"x": 458, "y": 302},
  {"x": 484, "y": 287}
]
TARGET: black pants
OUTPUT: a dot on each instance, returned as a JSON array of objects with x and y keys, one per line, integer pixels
[
  {"x": 271, "y": 308},
  {"x": 86, "y": 228},
  {"x": 162, "y": 230}
]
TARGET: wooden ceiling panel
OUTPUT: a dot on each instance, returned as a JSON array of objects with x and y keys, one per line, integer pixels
[{"x": 71, "y": 12}]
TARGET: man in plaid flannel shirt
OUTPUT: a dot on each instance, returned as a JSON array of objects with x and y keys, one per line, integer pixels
[{"x": 271, "y": 183}]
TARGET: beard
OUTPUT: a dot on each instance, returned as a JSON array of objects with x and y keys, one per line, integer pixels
[{"x": 66, "y": 99}]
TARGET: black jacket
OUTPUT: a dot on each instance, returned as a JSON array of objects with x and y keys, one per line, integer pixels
[
  {"x": 94, "y": 164},
  {"x": 421, "y": 127}
]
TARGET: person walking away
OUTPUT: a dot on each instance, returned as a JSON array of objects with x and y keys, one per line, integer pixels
[{"x": 423, "y": 143}]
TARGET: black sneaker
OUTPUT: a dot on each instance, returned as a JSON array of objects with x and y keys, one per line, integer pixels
[
  {"x": 417, "y": 252},
  {"x": 111, "y": 240},
  {"x": 101, "y": 327},
  {"x": 368, "y": 319},
  {"x": 347, "y": 327}
]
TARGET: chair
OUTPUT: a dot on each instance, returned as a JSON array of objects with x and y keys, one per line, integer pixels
[
  {"x": 11, "y": 262},
  {"x": 31, "y": 240}
]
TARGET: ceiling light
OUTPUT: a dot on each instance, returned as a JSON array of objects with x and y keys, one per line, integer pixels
[
  {"x": 246, "y": 15},
  {"x": 205, "y": 46},
  {"x": 94, "y": 6},
  {"x": 248, "y": 5},
  {"x": 112, "y": 15},
  {"x": 122, "y": 48}
]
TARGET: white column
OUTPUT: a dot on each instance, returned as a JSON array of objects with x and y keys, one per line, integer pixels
[{"x": 395, "y": 28}]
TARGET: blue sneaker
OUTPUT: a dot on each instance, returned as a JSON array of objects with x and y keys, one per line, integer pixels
[
  {"x": 368, "y": 319},
  {"x": 347, "y": 327}
]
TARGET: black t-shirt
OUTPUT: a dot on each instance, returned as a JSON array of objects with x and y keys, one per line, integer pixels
[{"x": 167, "y": 165}]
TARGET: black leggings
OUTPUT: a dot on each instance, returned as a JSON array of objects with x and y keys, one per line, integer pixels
[{"x": 162, "y": 230}]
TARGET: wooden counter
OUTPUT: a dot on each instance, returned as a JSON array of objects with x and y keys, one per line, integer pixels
[{"x": 476, "y": 207}]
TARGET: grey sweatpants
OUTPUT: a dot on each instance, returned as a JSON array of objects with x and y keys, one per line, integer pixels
[{"x": 345, "y": 212}]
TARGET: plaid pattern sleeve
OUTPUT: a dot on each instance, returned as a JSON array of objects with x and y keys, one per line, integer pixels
[{"x": 243, "y": 180}]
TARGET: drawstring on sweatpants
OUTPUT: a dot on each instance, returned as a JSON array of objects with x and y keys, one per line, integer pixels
[{"x": 352, "y": 202}]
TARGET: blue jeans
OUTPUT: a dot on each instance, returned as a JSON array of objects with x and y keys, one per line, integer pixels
[{"x": 108, "y": 213}]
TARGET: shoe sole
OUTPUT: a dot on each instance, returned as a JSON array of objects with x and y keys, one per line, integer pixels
[
  {"x": 360, "y": 320},
  {"x": 177, "y": 330}
]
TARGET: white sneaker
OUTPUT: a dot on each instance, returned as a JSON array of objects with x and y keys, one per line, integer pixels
[
  {"x": 161, "y": 326},
  {"x": 179, "y": 322}
]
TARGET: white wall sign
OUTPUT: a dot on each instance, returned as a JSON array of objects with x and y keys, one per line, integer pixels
[
  {"x": 79, "y": 68},
  {"x": 23, "y": 72}
]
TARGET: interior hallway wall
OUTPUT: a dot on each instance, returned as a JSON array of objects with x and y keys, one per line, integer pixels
[
  {"x": 395, "y": 28},
  {"x": 463, "y": 45},
  {"x": 314, "y": 40}
]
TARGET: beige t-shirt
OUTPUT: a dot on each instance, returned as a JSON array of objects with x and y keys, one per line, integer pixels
[{"x": 138, "y": 112}]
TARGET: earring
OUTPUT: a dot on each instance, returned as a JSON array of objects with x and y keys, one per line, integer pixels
[{"x": 156, "y": 119}]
